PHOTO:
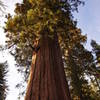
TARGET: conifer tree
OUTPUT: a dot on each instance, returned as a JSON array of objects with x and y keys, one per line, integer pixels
[
  {"x": 80, "y": 68},
  {"x": 34, "y": 20},
  {"x": 3, "y": 66},
  {"x": 96, "y": 52},
  {"x": 3, "y": 85}
]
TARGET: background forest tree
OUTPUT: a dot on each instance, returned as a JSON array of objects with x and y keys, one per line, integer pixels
[
  {"x": 3, "y": 66},
  {"x": 31, "y": 18},
  {"x": 3, "y": 80}
]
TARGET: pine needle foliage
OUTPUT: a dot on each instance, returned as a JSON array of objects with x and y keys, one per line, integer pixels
[{"x": 3, "y": 80}]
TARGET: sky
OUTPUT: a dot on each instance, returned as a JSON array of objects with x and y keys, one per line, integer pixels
[
  {"x": 13, "y": 76},
  {"x": 88, "y": 19}
]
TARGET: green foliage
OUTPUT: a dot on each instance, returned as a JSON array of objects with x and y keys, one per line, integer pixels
[
  {"x": 78, "y": 61},
  {"x": 96, "y": 50},
  {"x": 3, "y": 85},
  {"x": 36, "y": 17}
]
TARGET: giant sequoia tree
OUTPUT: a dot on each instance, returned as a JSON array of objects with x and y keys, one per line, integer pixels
[{"x": 35, "y": 31}]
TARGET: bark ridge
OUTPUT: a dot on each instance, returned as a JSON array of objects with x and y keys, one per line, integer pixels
[{"x": 47, "y": 78}]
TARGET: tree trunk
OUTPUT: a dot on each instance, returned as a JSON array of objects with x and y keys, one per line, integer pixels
[{"x": 47, "y": 77}]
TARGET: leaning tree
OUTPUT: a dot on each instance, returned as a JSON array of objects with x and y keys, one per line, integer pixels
[{"x": 36, "y": 32}]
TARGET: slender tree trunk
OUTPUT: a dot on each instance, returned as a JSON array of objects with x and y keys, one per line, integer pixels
[{"x": 47, "y": 77}]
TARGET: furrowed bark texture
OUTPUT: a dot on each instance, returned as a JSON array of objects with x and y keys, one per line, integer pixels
[{"x": 47, "y": 77}]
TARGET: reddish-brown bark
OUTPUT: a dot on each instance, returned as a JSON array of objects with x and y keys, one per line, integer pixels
[{"x": 47, "y": 78}]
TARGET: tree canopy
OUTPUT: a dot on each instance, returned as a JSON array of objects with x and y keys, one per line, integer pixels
[{"x": 33, "y": 18}]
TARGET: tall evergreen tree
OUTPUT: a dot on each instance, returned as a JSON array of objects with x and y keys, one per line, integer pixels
[
  {"x": 34, "y": 20},
  {"x": 3, "y": 66},
  {"x": 79, "y": 64},
  {"x": 96, "y": 52},
  {"x": 3, "y": 85}
]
